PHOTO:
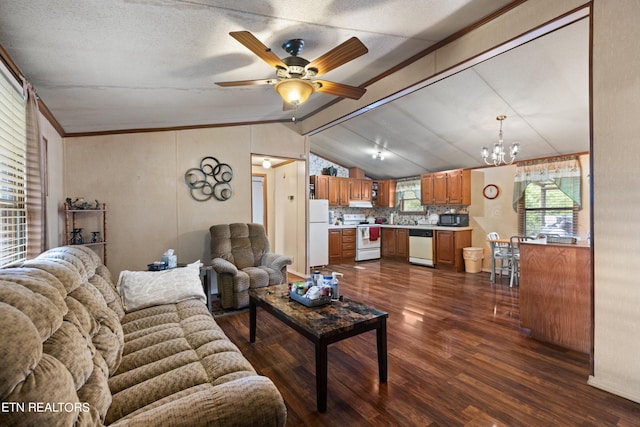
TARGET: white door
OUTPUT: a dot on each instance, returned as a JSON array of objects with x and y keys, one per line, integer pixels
[{"x": 259, "y": 208}]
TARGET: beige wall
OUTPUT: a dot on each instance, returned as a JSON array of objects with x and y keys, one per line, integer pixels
[
  {"x": 141, "y": 178},
  {"x": 616, "y": 155}
]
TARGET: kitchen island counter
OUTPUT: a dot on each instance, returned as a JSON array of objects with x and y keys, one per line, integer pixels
[{"x": 556, "y": 293}]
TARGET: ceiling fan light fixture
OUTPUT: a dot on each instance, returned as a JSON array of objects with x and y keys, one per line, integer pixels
[
  {"x": 266, "y": 163},
  {"x": 378, "y": 155},
  {"x": 294, "y": 91}
]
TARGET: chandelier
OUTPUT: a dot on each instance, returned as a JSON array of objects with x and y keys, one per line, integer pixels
[{"x": 498, "y": 153}]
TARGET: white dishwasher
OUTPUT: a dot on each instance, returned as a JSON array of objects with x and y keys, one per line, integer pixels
[{"x": 421, "y": 246}]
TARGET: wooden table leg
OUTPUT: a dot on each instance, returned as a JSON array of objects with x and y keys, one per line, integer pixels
[
  {"x": 321, "y": 375},
  {"x": 252, "y": 321},
  {"x": 381, "y": 338}
]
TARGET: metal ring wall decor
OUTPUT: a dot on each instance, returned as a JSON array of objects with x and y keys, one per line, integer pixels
[{"x": 211, "y": 180}]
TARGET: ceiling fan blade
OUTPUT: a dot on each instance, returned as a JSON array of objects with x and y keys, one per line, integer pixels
[
  {"x": 339, "y": 89},
  {"x": 339, "y": 55},
  {"x": 247, "y": 83},
  {"x": 256, "y": 46},
  {"x": 288, "y": 107}
]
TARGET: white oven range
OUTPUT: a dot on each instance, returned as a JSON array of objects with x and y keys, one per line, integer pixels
[{"x": 367, "y": 237}]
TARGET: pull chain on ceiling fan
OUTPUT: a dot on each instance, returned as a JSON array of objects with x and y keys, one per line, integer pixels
[{"x": 294, "y": 79}]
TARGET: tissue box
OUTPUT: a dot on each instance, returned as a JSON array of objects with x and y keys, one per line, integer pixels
[{"x": 170, "y": 260}]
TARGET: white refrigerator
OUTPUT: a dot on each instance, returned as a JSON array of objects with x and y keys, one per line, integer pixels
[{"x": 318, "y": 243}]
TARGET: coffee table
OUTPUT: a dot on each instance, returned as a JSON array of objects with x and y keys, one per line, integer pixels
[{"x": 322, "y": 325}]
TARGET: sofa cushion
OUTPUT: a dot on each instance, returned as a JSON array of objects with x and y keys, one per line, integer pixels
[
  {"x": 169, "y": 350},
  {"x": 140, "y": 289}
]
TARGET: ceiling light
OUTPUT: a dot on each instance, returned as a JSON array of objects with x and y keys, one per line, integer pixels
[
  {"x": 294, "y": 91},
  {"x": 378, "y": 155},
  {"x": 498, "y": 153},
  {"x": 266, "y": 163}
]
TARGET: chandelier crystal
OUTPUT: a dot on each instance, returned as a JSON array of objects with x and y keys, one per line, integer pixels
[{"x": 497, "y": 156}]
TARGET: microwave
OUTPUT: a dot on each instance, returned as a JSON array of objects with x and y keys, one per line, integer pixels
[{"x": 454, "y": 220}]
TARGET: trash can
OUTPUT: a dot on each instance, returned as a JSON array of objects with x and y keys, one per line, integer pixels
[{"x": 473, "y": 259}]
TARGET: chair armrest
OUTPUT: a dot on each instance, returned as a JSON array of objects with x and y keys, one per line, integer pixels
[
  {"x": 223, "y": 266},
  {"x": 275, "y": 261}
]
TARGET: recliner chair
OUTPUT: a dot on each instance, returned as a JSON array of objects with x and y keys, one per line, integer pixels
[{"x": 241, "y": 260}]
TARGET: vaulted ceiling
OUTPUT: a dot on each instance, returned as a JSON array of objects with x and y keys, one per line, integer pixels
[{"x": 120, "y": 65}]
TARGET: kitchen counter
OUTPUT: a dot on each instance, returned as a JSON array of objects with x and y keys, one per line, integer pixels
[
  {"x": 419, "y": 226},
  {"x": 426, "y": 227}
]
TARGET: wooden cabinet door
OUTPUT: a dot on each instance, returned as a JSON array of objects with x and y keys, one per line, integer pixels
[
  {"x": 388, "y": 242},
  {"x": 365, "y": 190},
  {"x": 334, "y": 191},
  {"x": 454, "y": 187},
  {"x": 440, "y": 196},
  {"x": 402, "y": 242},
  {"x": 426, "y": 189},
  {"x": 335, "y": 245},
  {"x": 355, "y": 189},
  {"x": 321, "y": 186},
  {"x": 445, "y": 247},
  {"x": 343, "y": 191}
]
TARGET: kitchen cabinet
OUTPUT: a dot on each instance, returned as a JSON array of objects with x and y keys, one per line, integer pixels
[
  {"x": 320, "y": 185},
  {"x": 342, "y": 245},
  {"x": 338, "y": 191},
  {"x": 394, "y": 242},
  {"x": 440, "y": 194},
  {"x": 446, "y": 188},
  {"x": 360, "y": 189},
  {"x": 555, "y": 294},
  {"x": 383, "y": 193},
  {"x": 426, "y": 189},
  {"x": 449, "y": 245},
  {"x": 459, "y": 187}
]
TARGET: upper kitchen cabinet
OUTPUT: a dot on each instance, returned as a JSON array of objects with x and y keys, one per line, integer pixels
[
  {"x": 338, "y": 191},
  {"x": 383, "y": 193},
  {"x": 426, "y": 189},
  {"x": 360, "y": 189},
  {"x": 319, "y": 186},
  {"x": 446, "y": 188}
]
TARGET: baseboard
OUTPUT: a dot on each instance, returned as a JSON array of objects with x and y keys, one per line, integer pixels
[{"x": 611, "y": 388}]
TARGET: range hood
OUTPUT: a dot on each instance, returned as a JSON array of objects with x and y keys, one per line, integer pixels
[{"x": 360, "y": 204}]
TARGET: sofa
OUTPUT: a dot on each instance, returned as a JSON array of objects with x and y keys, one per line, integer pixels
[
  {"x": 72, "y": 352},
  {"x": 242, "y": 259}
]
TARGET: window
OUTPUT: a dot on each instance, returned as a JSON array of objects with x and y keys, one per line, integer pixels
[
  {"x": 408, "y": 196},
  {"x": 13, "y": 147},
  {"x": 545, "y": 209}
]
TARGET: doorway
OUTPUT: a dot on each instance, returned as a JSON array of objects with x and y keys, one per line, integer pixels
[{"x": 259, "y": 207}]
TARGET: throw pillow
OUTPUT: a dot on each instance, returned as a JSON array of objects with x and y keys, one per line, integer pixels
[{"x": 140, "y": 289}]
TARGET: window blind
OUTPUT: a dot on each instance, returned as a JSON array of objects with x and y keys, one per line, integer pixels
[{"x": 13, "y": 161}]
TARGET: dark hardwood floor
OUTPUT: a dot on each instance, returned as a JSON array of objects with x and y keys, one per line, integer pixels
[{"x": 456, "y": 357}]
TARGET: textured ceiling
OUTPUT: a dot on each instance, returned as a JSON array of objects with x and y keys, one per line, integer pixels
[{"x": 136, "y": 64}]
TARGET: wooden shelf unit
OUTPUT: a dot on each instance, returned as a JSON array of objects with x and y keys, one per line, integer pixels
[{"x": 72, "y": 218}]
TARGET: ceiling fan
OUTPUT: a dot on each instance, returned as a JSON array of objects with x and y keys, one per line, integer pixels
[{"x": 295, "y": 76}]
